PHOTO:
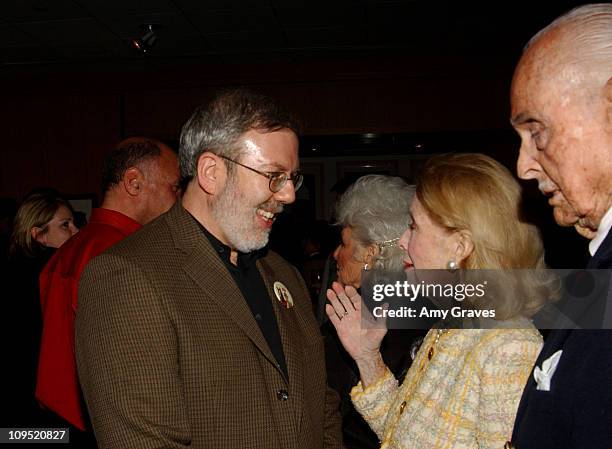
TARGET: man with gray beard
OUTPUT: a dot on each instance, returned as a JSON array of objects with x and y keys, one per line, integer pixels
[{"x": 190, "y": 333}]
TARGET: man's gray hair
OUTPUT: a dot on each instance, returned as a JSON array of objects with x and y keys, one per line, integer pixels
[
  {"x": 216, "y": 126},
  {"x": 377, "y": 209},
  {"x": 587, "y": 37}
]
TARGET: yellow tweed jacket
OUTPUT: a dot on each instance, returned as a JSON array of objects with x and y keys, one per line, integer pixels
[
  {"x": 170, "y": 356},
  {"x": 464, "y": 397}
]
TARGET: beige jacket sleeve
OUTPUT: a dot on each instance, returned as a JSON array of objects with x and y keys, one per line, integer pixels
[{"x": 374, "y": 401}]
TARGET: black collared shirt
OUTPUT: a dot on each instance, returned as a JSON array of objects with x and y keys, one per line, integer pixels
[{"x": 251, "y": 285}]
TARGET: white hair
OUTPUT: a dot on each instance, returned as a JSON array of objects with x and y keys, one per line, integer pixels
[
  {"x": 586, "y": 38},
  {"x": 377, "y": 209}
]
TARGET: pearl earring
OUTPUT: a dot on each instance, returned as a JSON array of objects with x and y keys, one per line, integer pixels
[{"x": 452, "y": 265}]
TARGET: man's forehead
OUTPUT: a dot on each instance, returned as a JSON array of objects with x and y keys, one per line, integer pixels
[
  {"x": 259, "y": 135},
  {"x": 275, "y": 148},
  {"x": 536, "y": 87},
  {"x": 249, "y": 144},
  {"x": 549, "y": 61},
  {"x": 529, "y": 73},
  {"x": 520, "y": 95}
]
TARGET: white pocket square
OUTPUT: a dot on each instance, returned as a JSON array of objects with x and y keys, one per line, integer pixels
[{"x": 544, "y": 375}]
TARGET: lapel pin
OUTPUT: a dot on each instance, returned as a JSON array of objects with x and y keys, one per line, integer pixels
[{"x": 283, "y": 295}]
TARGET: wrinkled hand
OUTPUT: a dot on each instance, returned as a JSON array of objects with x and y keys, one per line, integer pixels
[{"x": 346, "y": 312}]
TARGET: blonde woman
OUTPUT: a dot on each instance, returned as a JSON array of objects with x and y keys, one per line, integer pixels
[
  {"x": 43, "y": 223},
  {"x": 463, "y": 388}
]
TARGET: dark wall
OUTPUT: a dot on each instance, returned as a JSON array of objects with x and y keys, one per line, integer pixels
[
  {"x": 57, "y": 124},
  {"x": 56, "y": 139}
]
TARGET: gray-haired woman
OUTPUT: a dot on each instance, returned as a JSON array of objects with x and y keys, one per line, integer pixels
[{"x": 373, "y": 213}]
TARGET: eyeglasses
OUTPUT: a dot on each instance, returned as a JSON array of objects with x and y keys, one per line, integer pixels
[{"x": 278, "y": 179}]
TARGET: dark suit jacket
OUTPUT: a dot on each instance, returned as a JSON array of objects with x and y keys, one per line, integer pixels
[
  {"x": 577, "y": 411},
  {"x": 169, "y": 354}
]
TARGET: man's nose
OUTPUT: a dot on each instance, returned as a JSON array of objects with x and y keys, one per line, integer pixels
[
  {"x": 286, "y": 195},
  {"x": 527, "y": 167}
]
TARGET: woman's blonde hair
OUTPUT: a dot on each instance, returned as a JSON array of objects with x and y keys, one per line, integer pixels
[
  {"x": 475, "y": 194},
  {"x": 37, "y": 210}
]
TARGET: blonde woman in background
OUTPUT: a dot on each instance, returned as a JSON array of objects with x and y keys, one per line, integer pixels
[{"x": 43, "y": 222}]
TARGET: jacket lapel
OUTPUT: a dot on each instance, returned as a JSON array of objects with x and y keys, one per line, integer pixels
[
  {"x": 204, "y": 266},
  {"x": 603, "y": 256},
  {"x": 288, "y": 328},
  {"x": 553, "y": 343},
  {"x": 556, "y": 339}
]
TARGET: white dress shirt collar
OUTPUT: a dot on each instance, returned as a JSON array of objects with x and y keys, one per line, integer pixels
[{"x": 602, "y": 232}]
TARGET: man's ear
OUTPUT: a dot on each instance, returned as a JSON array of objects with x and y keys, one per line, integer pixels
[
  {"x": 39, "y": 235},
  {"x": 133, "y": 181},
  {"x": 210, "y": 172},
  {"x": 464, "y": 246}
]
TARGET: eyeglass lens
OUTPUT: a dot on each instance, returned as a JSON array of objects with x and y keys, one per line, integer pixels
[{"x": 279, "y": 181}]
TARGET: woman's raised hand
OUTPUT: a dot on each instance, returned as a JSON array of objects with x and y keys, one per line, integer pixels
[{"x": 360, "y": 333}]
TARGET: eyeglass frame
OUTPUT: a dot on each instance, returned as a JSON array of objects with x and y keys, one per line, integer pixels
[{"x": 296, "y": 178}]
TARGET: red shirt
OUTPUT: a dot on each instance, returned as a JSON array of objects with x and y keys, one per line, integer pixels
[{"x": 57, "y": 385}]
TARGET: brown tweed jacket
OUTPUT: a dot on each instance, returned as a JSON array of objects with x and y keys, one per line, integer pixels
[{"x": 169, "y": 354}]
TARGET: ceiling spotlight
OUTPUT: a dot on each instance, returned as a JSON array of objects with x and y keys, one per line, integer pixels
[{"x": 147, "y": 40}]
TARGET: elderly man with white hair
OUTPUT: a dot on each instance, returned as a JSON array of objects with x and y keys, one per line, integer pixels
[{"x": 562, "y": 109}]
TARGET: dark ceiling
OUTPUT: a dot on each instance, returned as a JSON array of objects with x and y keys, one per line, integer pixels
[{"x": 64, "y": 33}]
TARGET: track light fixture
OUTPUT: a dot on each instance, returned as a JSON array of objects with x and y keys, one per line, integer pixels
[{"x": 144, "y": 44}]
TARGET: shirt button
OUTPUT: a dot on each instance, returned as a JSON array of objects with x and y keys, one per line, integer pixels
[{"x": 282, "y": 395}]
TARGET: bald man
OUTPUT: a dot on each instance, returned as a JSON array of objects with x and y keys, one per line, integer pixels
[
  {"x": 562, "y": 110},
  {"x": 140, "y": 181}
]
